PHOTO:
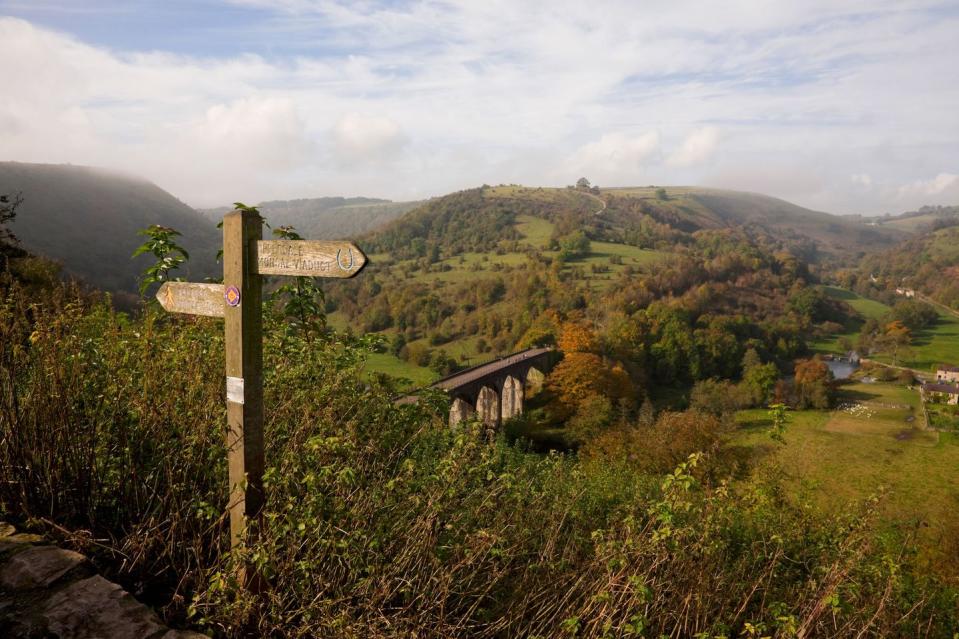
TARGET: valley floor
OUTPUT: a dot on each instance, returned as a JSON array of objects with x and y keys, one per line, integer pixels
[
  {"x": 935, "y": 345},
  {"x": 871, "y": 442}
]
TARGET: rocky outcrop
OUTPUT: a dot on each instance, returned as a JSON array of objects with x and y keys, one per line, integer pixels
[{"x": 50, "y": 592}]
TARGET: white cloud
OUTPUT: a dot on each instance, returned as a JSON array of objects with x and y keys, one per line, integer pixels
[
  {"x": 862, "y": 179},
  {"x": 423, "y": 97},
  {"x": 615, "y": 154},
  {"x": 265, "y": 133},
  {"x": 364, "y": 139},
  {"x": 931, "y": 187},
  {"x": 696, "y": 148}
]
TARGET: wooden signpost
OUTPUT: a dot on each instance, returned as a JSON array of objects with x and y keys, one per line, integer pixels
[{"x": 246, "y": 258}]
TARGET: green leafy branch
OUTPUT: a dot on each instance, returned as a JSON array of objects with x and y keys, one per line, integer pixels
[{"x": 162, "y": 244}]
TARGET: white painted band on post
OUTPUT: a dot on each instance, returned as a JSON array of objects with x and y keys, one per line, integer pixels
[{"x": 234, "y": 390}]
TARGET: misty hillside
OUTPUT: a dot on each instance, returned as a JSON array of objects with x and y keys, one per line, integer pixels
[
  {"x": 326, "y": 218},
  {"x": 88, "y": 218},
  {"x": 809, "y": 233},
  {"x": 922, "y": 220}
]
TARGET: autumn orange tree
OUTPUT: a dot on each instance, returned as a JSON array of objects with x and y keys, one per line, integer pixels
[
  {"x": 895, "y": 340},
  {"x": 814, "y": 387},
  {"x": 583, "y": 374},
  {"x": 577, "y": 337}
]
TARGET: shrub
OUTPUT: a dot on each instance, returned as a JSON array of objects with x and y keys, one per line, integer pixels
[
  {"x": 380, "y": 521},
  {"x": 717, "y": 397}
]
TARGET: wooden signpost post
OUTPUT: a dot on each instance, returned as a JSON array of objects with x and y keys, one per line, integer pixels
[{"x": 246, "y": 258}]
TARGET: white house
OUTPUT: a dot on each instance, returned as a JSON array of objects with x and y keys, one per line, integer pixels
[{"x": 947, "y": 374}]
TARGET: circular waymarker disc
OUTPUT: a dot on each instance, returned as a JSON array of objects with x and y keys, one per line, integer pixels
[{"x": 232, "y": 296}]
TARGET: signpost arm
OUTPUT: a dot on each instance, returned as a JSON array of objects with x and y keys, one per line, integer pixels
[{"x": 244, "y": 368}]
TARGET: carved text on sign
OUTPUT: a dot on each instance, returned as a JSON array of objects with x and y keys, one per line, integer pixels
[
  {"x": 315, "y": 258},
  {"x": 191, "y": 297}
]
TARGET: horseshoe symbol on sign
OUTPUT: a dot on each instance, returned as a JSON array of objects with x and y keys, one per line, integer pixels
[{"x": 349, "y": 266}]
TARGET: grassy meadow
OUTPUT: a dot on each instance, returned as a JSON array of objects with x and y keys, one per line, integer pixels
[
  {"x": 872, "y": 441},
  {"x": 932, "y": 346},
  {"x": 867, "y": 308}
]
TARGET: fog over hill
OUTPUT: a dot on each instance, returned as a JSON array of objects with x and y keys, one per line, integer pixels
[
  {"x": 326, "y": 218},
  {"x": 87, "y": 219}
]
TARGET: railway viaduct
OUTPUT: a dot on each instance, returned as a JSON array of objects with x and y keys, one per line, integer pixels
[{"x": 495, "y": 391}]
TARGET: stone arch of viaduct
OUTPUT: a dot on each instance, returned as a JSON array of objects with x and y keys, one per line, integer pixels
[{"x": 495, "y": 392}]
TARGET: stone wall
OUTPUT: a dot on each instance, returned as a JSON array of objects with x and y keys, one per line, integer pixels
[{"x": 49, "y": 592}]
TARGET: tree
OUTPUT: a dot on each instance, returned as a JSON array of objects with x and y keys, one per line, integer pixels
[
  {"x": 814, "y": 384},
  {"x": 894, "y": 340},
  {"x": 660, "y": 446},
  {"x": 661, "y": 194},
  {"x": 582, "y": 375},
  {"x": 759, "y": 380},
  {"x": 582, "y": 183},
  {"x": 541, "y": 332},
  {"x": 577, "y": 337},
  {"x": 810, "y": 303},
  {"x": 913, "y": 314},
  {"x": 715, "y": 397},
  {"x": 8, "y": 211},
  {"x": 751, "y": 359},
  {"x": 8, "y": 241},
  {"x": 397, "y": 343},
  {"x": 592, "y": 416},
  {"x": 576, "y": 244}
]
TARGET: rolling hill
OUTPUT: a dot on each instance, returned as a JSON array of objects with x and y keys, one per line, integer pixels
[
  {"x": 927, "y": 263},
  {"x": 465, "y": 276},
  {"x": 923, "y": 220},
  {"x": 88, "y": 218},
  {"x": 326, "y": 218},
  {"x": 813, "y": 234}
]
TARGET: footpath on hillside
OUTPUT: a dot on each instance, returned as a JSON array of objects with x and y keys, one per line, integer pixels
[{"x": 47, "y": 591}]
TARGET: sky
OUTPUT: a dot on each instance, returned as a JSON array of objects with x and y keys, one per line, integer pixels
[{"x": 845, "y": 106}]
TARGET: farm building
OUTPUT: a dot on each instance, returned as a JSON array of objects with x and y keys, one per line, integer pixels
[
  {"x": 947, "y": 373},
  {"x": 940, "y": 393}
]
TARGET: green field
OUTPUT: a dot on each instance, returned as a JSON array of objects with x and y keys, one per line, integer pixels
[
  {"x": 385, "y": 362},
  {"x": 600, "y": 252},
  {"x": 836, "y": 459},
  {"x": 936, "y": 345},
  {"x": 392, "y": 365},
  {"x": 910, "y": 224},
  {"x": 867, "y": 308},
  {"x": 534, "y": 230}
]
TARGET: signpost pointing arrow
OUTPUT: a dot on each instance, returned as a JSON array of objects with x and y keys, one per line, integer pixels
[
  {"x": 192, "y": 298},
  {"x": 308, "y": 257},
  {"x": 246, "y": 258}
]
